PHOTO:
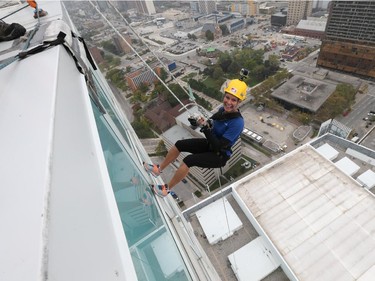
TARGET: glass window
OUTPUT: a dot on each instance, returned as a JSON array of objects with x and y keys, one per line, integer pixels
[
  {"x": 152, "y": 247},
  {"x": 106, "y": 103}
]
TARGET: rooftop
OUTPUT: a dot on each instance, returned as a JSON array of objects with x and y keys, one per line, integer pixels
[
  {"x": 312, "y": 211},
  {"x": 306, "y": 208},
  {"x": 291, "y": 92},
  {"x": 316, "y": 24}
]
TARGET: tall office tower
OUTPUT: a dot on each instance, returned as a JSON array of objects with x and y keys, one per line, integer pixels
[
  {"x": 145, "y": 7},
  {"x": 349, "y": 44},
  {"x": 206, "y": 7},
  {"x": 245, "y": 7},
  {"x": 298, "y": 10},
  {"x": 318, "y": 4},
  {"x": 122, "y": 46}
]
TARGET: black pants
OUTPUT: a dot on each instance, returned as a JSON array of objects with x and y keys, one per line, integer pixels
[{"x": 201, "y": 155}]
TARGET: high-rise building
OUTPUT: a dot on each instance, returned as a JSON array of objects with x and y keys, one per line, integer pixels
[
  {"x": 349, "y": 43},
  {"x": 145, "y": 7},
  {"x": 245, "y": 7},
  {"x": 206, "y": 6},
  {"x": 121, "y": 45},
  {"x": 298, "y": 10}
]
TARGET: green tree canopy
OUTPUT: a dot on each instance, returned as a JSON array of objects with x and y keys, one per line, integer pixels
[
  {"x": 218, "y": 72},
  {"x": 209, "y": 35},
  {"x": 161, "y": 149},
  {"x": 116, "y": 76},
  {"x": 225, "y": 60},
  {"x": 142, "y": 128},
  {"x": 163, "y": 74},
  {"x": 340, "y": 100},
  {"x": 224, "y": 29}
]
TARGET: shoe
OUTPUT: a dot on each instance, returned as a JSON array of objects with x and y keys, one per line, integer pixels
[
  {"x": 161, "y": 190},
  {"x": 152, "y": 169},
  {"x": 41, "y": 13}
]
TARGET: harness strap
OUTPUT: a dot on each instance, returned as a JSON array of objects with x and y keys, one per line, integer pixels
[{"x": 221, "y": 115}]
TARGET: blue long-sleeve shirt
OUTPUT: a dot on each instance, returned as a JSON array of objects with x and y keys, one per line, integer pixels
[{"x": 224, "y": 133}]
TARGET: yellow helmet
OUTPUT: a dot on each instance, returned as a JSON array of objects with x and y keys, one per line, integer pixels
[{"x": 237, "y": 88}]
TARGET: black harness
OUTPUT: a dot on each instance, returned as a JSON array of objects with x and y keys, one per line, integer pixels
[{"x": 221, "y": 115}]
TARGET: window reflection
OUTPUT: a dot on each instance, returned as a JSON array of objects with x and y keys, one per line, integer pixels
[{"x": 152, "y": 247}]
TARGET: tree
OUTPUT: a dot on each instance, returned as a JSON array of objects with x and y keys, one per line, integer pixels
[
  {"x": 116, "y": 61},
  {"x": 209, "y": 35},
  {"x": 142, "y": 128},
  {"x": 192, "y": 36},
  {"x": 224, "y": 29},
  {"x": 163, "y": 74},
  {"x": 274, "y": 62},
  {"x": 116, "y": 76},
  {"x": 225, "y": 61},
  {"x": 218, "y": 72},
  {"x": 340, "y": 100},
  {"x": 234, "y": 67},
  {"x": 143, "y": 88},
  {"x": 233, "y": 43},
  {"x": 258, "y": 72},
  {"x": 161, "y": 149}
]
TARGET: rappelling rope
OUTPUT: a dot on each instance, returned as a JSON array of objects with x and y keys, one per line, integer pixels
[
  {"x": 159, "y": 60},
  {"x": 131, "y": 47},
  {"x": 183, "y": 105},
  {"x": 226, "y": 216}
]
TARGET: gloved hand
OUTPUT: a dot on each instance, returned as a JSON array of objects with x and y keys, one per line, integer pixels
[
  {"x": 207, "y": 125},
  {"x": 197, "y": 120},
  {"x": 193, "y": 121}
]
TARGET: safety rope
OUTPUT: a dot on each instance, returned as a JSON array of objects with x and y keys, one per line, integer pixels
[
  {"x": 183, "y": 105},
  {"x": 140, "y": 57},
  {"x": 226, "y": 216},
  {"x": 189, "y": 94}
]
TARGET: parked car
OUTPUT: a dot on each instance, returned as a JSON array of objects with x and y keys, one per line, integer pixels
[
  {"x": 184, "y": 180},
  {"x": 174, "y": 195}
]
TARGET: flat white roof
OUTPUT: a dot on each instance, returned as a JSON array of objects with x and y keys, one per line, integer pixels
[
  {"x": 253, "y": 261},
  {"x": 347, "y": 166},
  {"x": 328, "y": 151},
  {"x": 321, "y": 222},
  {"x": 313, "y": 24},
  {"x": 218, "y": 220},
  {"x": 361, "y": 156},
  {"x": 367, "y": 178},
  {"x": 176, "y": 133}
]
